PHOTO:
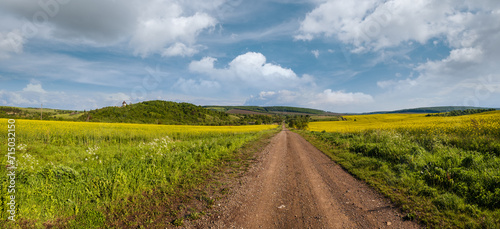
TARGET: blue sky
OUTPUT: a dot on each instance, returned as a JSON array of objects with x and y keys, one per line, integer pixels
[{"x": 341, "y": 56}]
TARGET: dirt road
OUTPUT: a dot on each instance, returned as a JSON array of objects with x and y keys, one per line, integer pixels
[{"x": 294, "y": 185}]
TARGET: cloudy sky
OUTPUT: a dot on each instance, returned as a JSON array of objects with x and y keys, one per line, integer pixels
[{"x": 335, "y": 55}]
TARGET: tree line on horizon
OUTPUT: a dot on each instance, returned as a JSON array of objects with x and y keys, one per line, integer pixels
[
  {"x": 461, "y": 112},
  {"x": 172, "y": 113}
]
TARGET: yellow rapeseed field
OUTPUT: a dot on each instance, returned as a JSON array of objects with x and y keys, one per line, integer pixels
[
  {"x": 483, "y": 123},
  {"x": 64, "y": 132},
  {"x": 450, "y": 163},
  {"x": 75, "y": 170},
  {"x": 65, "y": 126}
]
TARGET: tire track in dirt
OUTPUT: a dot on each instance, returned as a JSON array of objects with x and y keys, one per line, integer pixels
[{"x": 294, "y": 185}]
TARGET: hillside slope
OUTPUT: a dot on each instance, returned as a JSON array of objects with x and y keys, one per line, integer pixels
[
  {"x": 424, "y": 110},
  {"x": 269, "y": 110},
  {"x": 159, "y": 112},
  {"x": 35, "y": 113}
]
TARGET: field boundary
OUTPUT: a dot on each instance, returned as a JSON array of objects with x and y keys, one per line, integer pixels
[
  {"x": 430, "y": 206},
  {"x": 189, "y": 203},
  {"x": 398, "y": 199}
]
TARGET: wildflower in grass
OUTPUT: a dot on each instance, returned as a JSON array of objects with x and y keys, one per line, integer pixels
[
  {"x": 109, "y": 146},
  {"x": 92, "y": 151},
  {"x": 157, "y": 147},
  {"x": 28, "y": 161},
  {"x": 21, "y": 147}
]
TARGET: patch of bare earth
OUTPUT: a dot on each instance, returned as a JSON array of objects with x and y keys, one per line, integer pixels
[{"x": 294, "y": 185}]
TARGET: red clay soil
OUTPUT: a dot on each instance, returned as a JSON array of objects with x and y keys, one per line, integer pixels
[{"x": 294, "y": 185}]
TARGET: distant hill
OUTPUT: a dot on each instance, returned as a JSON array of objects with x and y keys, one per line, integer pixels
[
  {"x": 37, "y": 113},
  {"x": 268, "y": 110},
  {"x": 171, "y": 113},
  {"x": 158, "y": 112},
  {"x": 424, "y": 110},
  {"x": 461, "y": 112},
  {"x": 165, "y": 112}
]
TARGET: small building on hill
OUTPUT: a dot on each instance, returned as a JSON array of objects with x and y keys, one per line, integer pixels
[{"x": 124, "y": 104}]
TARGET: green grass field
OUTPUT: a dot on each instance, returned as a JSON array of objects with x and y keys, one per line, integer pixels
[
  {"x": 79, "y": 174},
  {"x": 443, "y": 171}
]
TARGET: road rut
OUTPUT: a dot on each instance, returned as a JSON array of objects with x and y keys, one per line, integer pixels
[{"x": 294, "y": 185}]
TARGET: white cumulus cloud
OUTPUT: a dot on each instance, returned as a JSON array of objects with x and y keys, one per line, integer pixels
[
  {"x": 150, "y": 26},
  {"x": 154, "y": 34},
  {"x": 252, "y": 70},
  {"x": 326, "y": 100},
  {"x": 465, "y": 55},
  {"x": 34, "y": 87},
  {"x": 329, "y": 97},
  {"x": 376, "y": 24},
  {"x": 315, "y": 53},
  {"x": 180, "y": 49},
  {"x": 11, "y": 42},
  {"x": 33, "y": 95},
  {"x": 470, "y": 29}
]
